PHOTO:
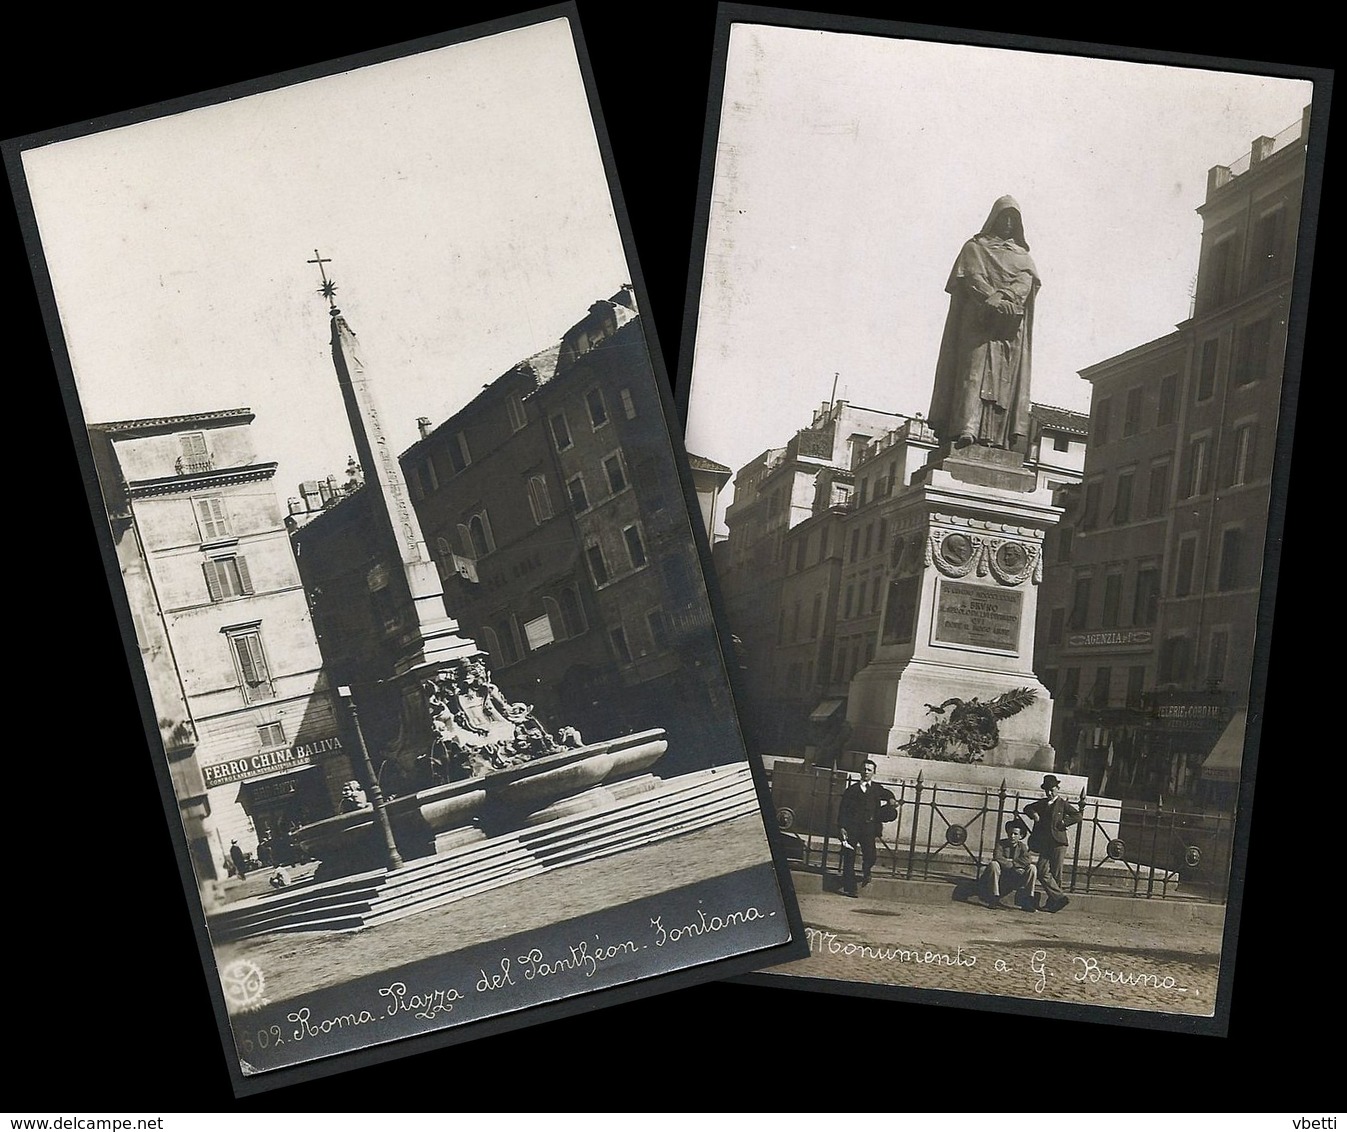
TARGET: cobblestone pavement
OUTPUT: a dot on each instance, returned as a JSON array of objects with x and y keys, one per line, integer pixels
[
  {"x": 299, "y": 962},
  {"x": 1102, "y": 958}
]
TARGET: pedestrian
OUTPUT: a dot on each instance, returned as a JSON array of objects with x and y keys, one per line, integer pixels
[
  {"x": 240, "y": 861},
  {"x": 864, "y": 808},
  {"x": 1011, "y": 870},
  {"x": 1052, "y": 816}
]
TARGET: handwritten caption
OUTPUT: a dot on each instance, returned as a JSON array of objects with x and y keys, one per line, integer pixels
[
  {"x": 583, "y": 959},
  {"x": 1080, "y": 968}
]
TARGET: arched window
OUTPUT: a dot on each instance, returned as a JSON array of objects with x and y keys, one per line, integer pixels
[
  {"x": 444, "y": 558},
  {"x": 490, "y": 642},
  {"x": 553, "y": 611},
  {"x": 572, "y": 613},
  {"x": 539, "y": 501},
  {"x": 479, "y": 535}
]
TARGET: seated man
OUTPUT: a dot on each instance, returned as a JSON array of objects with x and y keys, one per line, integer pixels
[{"x": 1011, "y": 869}]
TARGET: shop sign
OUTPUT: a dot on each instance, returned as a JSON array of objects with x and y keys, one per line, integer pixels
[{"x": 267, "y": 762}]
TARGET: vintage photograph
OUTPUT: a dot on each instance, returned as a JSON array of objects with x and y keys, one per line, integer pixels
[
  {"x": 401, "y": 549},
  {"x": 989, "y": 369}
]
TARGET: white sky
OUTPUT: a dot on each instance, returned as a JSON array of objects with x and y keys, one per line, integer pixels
[
  {"x": 850, "y": 170},
  {"x": 459, "y": 193}
]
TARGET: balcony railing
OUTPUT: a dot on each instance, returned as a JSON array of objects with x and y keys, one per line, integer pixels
[{"x": 192, "y": 465}]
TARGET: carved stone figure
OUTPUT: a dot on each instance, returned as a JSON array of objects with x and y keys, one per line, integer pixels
[{"x": 981, "y": 392}]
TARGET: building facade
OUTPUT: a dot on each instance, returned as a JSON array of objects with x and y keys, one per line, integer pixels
[
  {"x": 223, "y": 626},
  {"x": 1148, "y": 638}
]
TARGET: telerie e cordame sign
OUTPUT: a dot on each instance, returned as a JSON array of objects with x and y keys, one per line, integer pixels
[{"x": 267, "y": 762}]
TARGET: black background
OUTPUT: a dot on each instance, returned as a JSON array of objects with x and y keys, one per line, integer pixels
[{"x": 111, "y": 1002}]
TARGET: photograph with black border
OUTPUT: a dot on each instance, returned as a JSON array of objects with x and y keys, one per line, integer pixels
[
  {"x": 998, "y": 555},
  {"x": 437, "y": 700}
]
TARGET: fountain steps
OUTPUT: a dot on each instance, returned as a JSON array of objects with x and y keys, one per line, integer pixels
[{"x": 681, "y": 805}]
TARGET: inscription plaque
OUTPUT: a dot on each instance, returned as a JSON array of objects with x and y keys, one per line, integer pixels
[{"x": 983, "y": 616}]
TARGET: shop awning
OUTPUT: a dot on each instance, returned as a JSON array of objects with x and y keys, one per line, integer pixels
[
  {"x": 1226, "y": 758},
  {"x": 826, "y": 710}
]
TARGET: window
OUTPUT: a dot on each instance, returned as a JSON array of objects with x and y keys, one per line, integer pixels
[
  {"x": 1103, "y": 678},
  {"x": 552, "y": 608},
  {"x": 1056, "y": 620},
  {"x": 795, "y": 622},
  {"x": 1061, "y": 443},
  {"x": 509, "y": 649},
  {"x": 1066, "y": 536},
  {"x": 1196, "y": 481},
  {"x": 572, "y": 613},
  {"x": 270, "y": 735},
  {"x": 659, "y": 629},
  {"x": 1122, "y": 497},
  {"x": 1071, "y": 685},
  {"x": 816, "y": 617},
  {"x": 1090, "y": 516},
  {"x": 1183, "y": 575},
  {"x": 540, "y": 503},
  {"x": 1136, "y": 682},
  {"x": 1167, "y": 399},
  {"x": 429, "y": 476},
  {"x": 251, "y": 663},
  {"x": 1146, "y": 603},
  {"x": 635, "y": 547},
  {"x": 195, "y": 456},
  {"x": 620, "y": 646},
  {"x": 561, "y": 432},
  {"x": 1157, "y": 489},
  {"x": 1101, "y": 420},
  {"x": 598, "y": 565},
  {"x": 1221, "y": 272},
  {"x": 1132, "y": 412},
  {"x": 1217, "y": 651},
  {"x": 575, "y": 488},
  {"x": 855, "y": 545},
  {"x": 800, "y": 546},
  {"x": 1206, "y": 369},
  {"x": 1112, "y": 600},
  {"x": 479, "y": 535},
  {"x": 875, "y": 593},
  {"x": 628, "y": 405},
  {"x": 1175, "y": 660},
  {"x": 1080, "y": 602},
  {"x": 863, "y": 492},
  {"x": 1230, "y": 575},
  {"x": 1243, "y": 449},
  {"x": 851, "y": 599},
  {"x": 514, "y": 405},
  {"x": 1251, "y": 351},
  {"x": 212, "y": 519},
  {"x": 1266, "y": 261},
  {"x": 598, "y": 411},
  {"x": 459, "y": 455},
  {"x": 617, "y": 477},
  {"x": 227, "y": 577}
]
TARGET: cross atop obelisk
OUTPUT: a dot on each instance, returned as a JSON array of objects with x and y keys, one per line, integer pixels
[{"x": 329, "y": 288}]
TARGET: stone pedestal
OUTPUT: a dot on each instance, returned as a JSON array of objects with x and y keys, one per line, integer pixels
[{"x": 965, "y": 563}]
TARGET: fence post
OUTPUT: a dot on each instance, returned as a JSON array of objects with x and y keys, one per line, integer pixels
[
  {"x": 1080, "y": 829},
  {"x": 916, "y": 817}
]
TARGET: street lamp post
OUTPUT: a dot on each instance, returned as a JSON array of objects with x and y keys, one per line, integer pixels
[{"x": 392, "y": 857}]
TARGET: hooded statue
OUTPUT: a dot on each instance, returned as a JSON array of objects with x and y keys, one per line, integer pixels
[{"x": 981, "y": 392}]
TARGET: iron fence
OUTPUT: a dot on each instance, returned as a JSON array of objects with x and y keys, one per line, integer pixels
[{"x": 946, "y": 832}]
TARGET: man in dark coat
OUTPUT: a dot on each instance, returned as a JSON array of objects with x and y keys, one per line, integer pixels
[
  {"x": 859, "y": 823},
  {"x": 1010, "y": 870},
  {"x": 240, "y": 861},
  {"x": 981, "y": 392},
  {"x": 1052, "y": 815}
]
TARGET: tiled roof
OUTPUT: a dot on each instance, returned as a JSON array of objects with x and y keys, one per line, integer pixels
[{"x": 1062, "y": 420}]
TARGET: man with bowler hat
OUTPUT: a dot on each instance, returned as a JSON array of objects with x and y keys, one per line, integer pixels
[
  {"x": 859, "y": 819},
  {"x": 1052, "y": 816}
]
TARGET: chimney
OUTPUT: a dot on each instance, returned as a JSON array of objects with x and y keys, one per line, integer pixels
[
  {"x": 1261, "y": 149},
  {"x": 423, "y": 426},
  {"x": 1217, "y": 177}
]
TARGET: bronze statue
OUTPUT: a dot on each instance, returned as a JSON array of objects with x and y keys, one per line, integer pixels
[{"x": 981, "y": 393}]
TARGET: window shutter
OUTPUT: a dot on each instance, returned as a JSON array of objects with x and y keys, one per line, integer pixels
[
  {"x": 212, "y": 581},
  {"x": 245, "y": 579}
]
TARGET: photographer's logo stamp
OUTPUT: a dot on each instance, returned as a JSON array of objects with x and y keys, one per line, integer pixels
[{"x": 244, "y": 984}]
